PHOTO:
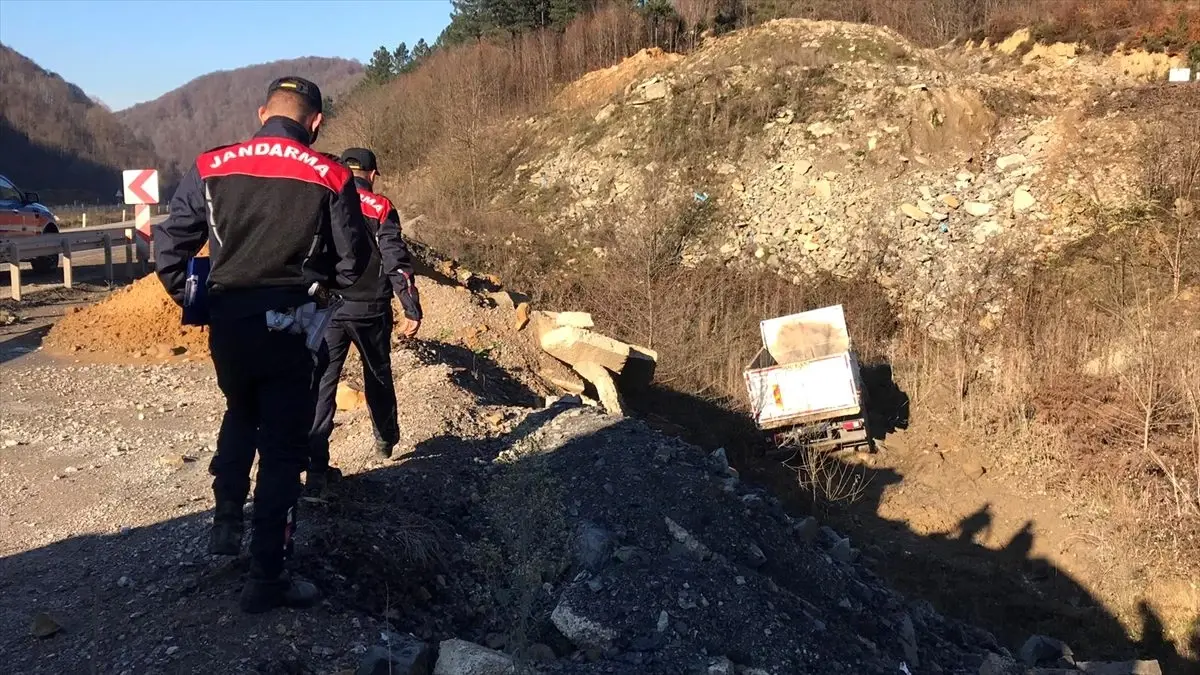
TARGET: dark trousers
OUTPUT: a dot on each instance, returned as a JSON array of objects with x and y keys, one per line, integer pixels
[
  {"x": 266, "y": 377},
  {"x": 372, "y": 337}
]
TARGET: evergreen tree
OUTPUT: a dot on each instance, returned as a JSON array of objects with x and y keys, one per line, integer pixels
[
  {"x": 468, "y": 21},
  {"x": 562, "y": 11},
  {"x": 401, "y": 59},
  {"x": 420, "y": 52},
  {"x": 380, "y": 69}
]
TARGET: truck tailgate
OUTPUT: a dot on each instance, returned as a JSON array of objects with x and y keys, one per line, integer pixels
[{"x": 804, "y": 392}]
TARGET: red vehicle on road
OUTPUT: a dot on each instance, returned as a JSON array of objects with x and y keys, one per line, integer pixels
[{"x": 22, "y": 216}]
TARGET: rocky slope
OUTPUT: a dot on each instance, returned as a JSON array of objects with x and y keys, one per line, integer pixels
[
  {"x": 509, "y": 536},
  {"x": 841, "y": 148}
]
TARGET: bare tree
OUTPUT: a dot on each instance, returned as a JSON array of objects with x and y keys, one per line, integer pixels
[{"x": 1172, "y": 188}]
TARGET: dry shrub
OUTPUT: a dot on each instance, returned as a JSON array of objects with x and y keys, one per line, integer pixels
[
  {"x": 1102, "y": 346},
  {"x": 830, "y": 478},
  {"x": 447, "y": 104},
  {"x": 702, "y": 317},
  {"x": 710, "y": 115},
  {"x": 1159, "y": 25}
]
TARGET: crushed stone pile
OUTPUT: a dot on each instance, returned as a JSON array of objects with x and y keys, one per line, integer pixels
[
  {"x": 579, "y": 542},
  {"x": 953, "y": 170},
  {"x": 139, "y": 320}
]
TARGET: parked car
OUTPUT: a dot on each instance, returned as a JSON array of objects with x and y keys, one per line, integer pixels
[
  {"x": 805, "y": 385},
  {"x": 21, "y": 215}
]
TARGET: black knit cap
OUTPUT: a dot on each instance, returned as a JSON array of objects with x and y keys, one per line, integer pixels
[{"x": 306, "y": 89}]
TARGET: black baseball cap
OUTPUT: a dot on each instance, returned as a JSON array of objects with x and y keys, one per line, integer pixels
[
  {"x": 360, "y": 159},
  {"x": 307, "y": 90}
]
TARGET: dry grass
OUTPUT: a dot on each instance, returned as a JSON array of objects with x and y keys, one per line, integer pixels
[
  {"x": 1157, "y": 25},
  {"x": 707, "y": 115},
  {"x": 72, "y": 215},
  {"x": 831, "y": 479},
  {"x": 463, "y": 91}
]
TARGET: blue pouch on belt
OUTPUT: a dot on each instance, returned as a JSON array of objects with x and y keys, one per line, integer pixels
[{"x": 195, "y": 293}]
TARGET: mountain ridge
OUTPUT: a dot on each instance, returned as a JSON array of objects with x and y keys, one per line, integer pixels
[
  {"x": 218, "y": 107},
  {"x": 58, "y": 140}
]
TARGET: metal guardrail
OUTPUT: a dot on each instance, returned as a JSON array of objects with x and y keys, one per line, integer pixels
[{"x": 66, "y": 244}]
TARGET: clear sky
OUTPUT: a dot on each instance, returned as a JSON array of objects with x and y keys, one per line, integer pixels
[{"x": 128, "y": 51}]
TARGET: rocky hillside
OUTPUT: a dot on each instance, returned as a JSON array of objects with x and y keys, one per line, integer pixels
[
  {"x": 842, "y": 148},
  {"x": 219, "y": 107}
]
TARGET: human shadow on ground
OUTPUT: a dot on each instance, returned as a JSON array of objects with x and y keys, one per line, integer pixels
[
  {"x": 887, "y": 404},
  {"x": 1009, "y": 591}
]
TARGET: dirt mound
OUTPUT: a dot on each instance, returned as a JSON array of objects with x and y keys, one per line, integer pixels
[
  {"x": 137, "y": 320},
  {"x": 598, "y": 86}
]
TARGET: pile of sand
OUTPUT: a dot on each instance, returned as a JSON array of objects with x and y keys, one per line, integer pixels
[
  {"x": 139, "y": 320},
  {"x": 599, "y": 86}
]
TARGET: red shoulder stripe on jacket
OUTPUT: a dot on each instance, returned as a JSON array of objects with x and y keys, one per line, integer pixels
[
  {"x": 273, "y": 158},
  {"x": 373, "y": 205}
]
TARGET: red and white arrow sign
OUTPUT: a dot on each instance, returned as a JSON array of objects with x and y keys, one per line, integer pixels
[{"x": 141, "y": 186}]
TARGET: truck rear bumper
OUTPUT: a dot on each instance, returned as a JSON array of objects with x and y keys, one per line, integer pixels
[{"x": 829, "y": 435}]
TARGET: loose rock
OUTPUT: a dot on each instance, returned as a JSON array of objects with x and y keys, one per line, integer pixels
[
  {"x": 1040, "y": 650},
  {"x": 580, "y": 630},
  {"x": 43, "y": 626},
  {"x": 459, "y": 657}
]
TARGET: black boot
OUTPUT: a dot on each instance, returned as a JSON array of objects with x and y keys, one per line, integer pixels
[
  {"x": 264, "y": 594},
  {"x": 227, "y": 529},
  {"x": 318, "y": 484},
  {"x": 383, "y": 449}
]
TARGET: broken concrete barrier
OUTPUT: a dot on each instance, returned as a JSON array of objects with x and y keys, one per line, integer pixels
[
  {"x": 606, "y": 387},
  {"x": 578, "y": 345}
]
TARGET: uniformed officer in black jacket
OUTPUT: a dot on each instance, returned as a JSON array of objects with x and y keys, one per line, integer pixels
[
  {"x": 279, "y": 218},
  {"x": 366, "y": 321}
]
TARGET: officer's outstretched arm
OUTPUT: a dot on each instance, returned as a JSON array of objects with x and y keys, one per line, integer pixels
[
  {"x": 181, "y": 236},
  {"x": 397, "y": 264},
  {"x": 348, "y": 237}
]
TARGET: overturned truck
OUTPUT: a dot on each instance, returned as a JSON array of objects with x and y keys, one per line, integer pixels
[{"x": 805, "y": 385}]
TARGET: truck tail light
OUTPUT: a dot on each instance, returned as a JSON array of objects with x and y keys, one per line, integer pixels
[{"x": 852, "y": 425}]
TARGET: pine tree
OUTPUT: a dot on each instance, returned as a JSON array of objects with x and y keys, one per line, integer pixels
[
  {"x": 420, "y": 52},
  {"x": 401, "y": 59},
  {"x": 380, "y": 69},
  {"x": 562, "y": 11},
  {"x": 468, "y": 21}
]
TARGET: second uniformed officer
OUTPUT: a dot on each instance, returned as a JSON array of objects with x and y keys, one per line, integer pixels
[
  {"x": 282, "y": 222},
  {"x": 366, "y": 321}
]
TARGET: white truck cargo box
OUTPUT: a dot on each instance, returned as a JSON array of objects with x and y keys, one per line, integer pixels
[{"x": 806, "y": 372}]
